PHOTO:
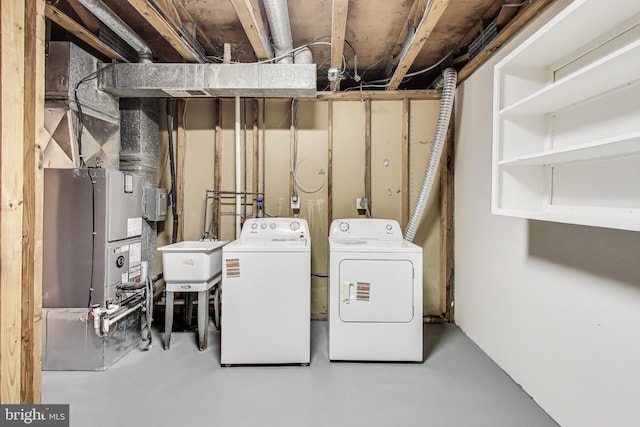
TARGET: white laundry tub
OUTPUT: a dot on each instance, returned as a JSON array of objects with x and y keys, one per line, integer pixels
[{"x": 192, "y": 261}]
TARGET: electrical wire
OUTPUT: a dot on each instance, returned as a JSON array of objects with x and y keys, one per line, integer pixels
[
  {"x": 80, "y": 127},
  {"x": 93, "y": 233}
]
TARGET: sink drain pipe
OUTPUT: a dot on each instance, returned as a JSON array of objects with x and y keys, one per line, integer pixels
[{"x": 446, "y": 106}]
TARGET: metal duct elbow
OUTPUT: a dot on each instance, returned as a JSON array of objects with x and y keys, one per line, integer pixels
[
  {"x": 446, "y": 106},
  {"x": 118, "y": 26},
  {"x": 278, "y": 16},
  {"x": 303, "y": 56}
]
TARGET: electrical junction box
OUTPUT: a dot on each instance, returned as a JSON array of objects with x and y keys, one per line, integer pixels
[{"x": 155, "y": 204}]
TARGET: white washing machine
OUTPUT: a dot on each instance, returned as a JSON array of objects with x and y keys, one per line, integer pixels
[
  {"x": 375, "y": 292},
  {"x": 266, "y": 297}
]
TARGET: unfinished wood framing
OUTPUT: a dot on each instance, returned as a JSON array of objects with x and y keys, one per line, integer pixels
[
  {"x": 338, "y": 31},
  {"x": 405, "y": 161},
  {"x": 367, "y": 142},
  {"x": 21, "y": 120},
  {"x": 329, "y": 163},
  {"x": 81, "y": 32},
  {"x": 256, "y": 154},
  {"x": 527, "y": 13},
  {"x": 217, "y": 178},
  {"x": 377, "y": 95},
  {"x": 35, "y": 141},
  {"x": 430, "y": 19},
  {"x": 415, "y": 14},
  {"x": 91, "y": 22},
  {"x": 251, "y": 20},
  {"x": 446, "y": 224},
  {"x": 162, "y": 26},
  {"x": 181, "y": 137},
  {"x": 200, "y": 35}
]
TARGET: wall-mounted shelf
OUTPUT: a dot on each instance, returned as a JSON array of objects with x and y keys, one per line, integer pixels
[{"x": 567, "y": 119}]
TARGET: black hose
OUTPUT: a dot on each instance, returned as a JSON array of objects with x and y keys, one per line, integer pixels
[{"x": 172, "y": 169}]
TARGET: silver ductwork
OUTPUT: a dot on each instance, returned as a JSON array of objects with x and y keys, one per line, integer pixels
[
  {"x": 118, "y": 26},
  {"x": 210, "y": 80},
  {"x": 450, "y": 77},
  {"x": 278, "y": 16}
]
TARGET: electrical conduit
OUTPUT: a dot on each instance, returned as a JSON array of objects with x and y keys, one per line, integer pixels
[{"x": 446, "y": 106}]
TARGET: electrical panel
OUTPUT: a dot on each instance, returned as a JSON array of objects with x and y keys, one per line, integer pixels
[{"x": 156, "y": 201}]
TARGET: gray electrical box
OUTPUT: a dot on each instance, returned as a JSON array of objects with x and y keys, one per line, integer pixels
[{"x": 156, "y": 201}]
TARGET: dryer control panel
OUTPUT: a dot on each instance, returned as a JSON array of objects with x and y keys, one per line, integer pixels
[
  {"x": 275, "y": 229},
  {"x": 366, "y": 228}
]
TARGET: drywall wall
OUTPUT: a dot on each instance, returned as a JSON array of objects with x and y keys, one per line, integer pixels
[
  {"x": 268, "y": 139},
  {"x": 557, "y": 306}
]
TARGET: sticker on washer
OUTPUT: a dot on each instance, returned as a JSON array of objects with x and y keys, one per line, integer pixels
[
  {"x": 363, "y": 291},
  {"x": 233, "y": 267}
]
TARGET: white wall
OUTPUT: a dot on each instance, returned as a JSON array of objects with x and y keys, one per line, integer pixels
[{"x": 557, "y": 306}]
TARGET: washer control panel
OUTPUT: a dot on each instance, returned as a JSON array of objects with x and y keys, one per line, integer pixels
[
  {"x": 366, "y": 228},
  {"x": 275, "y": 228}
]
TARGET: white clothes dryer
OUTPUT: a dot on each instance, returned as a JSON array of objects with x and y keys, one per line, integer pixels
[
  {"x": 265, "y": 294},
  {"x": 375, "y": 292}
]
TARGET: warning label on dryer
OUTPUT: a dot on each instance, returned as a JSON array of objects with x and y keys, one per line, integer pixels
[
  {"x": 232, "y": 267},
  {"x": 363, "y": 291}
]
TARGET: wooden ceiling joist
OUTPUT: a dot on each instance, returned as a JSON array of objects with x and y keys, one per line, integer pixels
[
  {"x": 251, "y": 19},
  {"x": 519, "y": 21},
  {"x": 338, "y": 31},
  {"x": 91, "y": 22},
  {"x": 164, "y": 28},
  {"x": 81, "y": 32},
  {"x": 428, "y": 22},
  {"x": 185, "y": 16}
]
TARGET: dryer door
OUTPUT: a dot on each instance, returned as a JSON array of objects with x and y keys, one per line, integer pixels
[{"x": 375, "y": 290}]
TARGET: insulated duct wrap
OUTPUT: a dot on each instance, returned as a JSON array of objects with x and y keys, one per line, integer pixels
[
  {"x": 277, "y": 12},
  {"x": 446, "y": 106}
]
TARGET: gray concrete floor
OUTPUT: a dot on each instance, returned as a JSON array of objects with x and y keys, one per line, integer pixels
[{"x": 457, "y": 385}]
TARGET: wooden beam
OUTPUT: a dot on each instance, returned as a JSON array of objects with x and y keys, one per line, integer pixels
[
  {"x": 91, "y": 22},
  {"x": 185, "y": 16},
  {"x": 162, "y": 26},
  {"x": 533, "y": 8},
  {"x": 253, "y": 28},
  {"x": 447, "y": 225},
  {"x": 329, "y": 163},
  {"x": 429, "y": 21},
  {"x": 256, "y": 154},
  {"x": 405, "y": 162},
  {"x": 181, "y": 137},
  {"x": 367, "y": 152},
  {"x": 379, "y": 95},
  {"x": 32, "y": 193},
  {"x": 338, "y": 31},
  {"x": 12, "y": 98},
  {"x": 417, "y": 10},
  {"x": 81, "y": 32},
  {"x": 217, "y": 177}
]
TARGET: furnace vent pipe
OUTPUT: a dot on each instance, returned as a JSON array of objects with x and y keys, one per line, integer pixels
[
  {"x": 118, "y": 26},
  {"x": 278, "y": 16},
  {"x": 446, "y": 106}
]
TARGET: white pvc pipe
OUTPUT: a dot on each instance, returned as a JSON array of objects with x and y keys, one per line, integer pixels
[{"x": 238, "y": 180}]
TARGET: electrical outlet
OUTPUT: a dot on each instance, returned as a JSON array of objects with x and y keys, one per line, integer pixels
[
  {"x": 362, "y": 203},
  {"x": 295, "y": 202}
]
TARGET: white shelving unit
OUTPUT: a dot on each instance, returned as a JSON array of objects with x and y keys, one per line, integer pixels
[{"x": 567, "y": 119}]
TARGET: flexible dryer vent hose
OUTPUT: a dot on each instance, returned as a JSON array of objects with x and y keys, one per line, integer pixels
[{"x": 446, "y": 106}]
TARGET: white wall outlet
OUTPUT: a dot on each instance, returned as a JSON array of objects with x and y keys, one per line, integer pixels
[
  {"x": 361, "y": 203},
  {"x": 295, "y": 202}
]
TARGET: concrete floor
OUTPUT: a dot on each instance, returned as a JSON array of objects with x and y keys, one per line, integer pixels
[{"x": 457, "y": 385}]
